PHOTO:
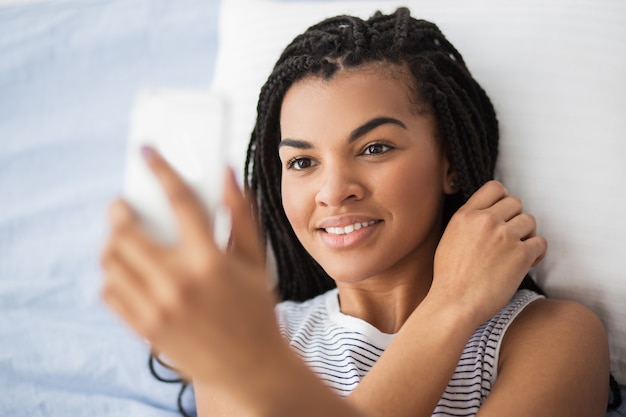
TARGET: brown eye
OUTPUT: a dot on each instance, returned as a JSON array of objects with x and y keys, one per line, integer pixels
[
  {"x": 376, "y": 148},
  {"x": 299, "y": 164}
]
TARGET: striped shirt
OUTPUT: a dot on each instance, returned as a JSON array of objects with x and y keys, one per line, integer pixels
[{"x": 341, "y": 349}]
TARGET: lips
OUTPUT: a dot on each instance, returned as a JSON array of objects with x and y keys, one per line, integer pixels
[{"x": 347, "y": 231}]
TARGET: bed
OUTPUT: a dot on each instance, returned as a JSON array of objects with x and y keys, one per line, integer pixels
[{"x": 69, "y": 70}]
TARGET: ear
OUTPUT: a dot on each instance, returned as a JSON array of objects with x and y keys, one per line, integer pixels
[{"x": 450, "y": 178}]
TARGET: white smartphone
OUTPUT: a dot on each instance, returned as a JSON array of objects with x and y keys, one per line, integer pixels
[{"x": 188, "y": 127}]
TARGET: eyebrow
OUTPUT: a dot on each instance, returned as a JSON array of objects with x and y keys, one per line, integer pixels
[
  {"x": 356, "y": 133},
  {"x": 371, "y": 125}
]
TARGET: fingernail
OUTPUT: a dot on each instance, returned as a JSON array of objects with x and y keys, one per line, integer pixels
[{"x": 147, "y": 151}]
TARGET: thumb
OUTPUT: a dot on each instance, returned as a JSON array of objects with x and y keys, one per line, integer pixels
[{"x": 245, "y": 234}]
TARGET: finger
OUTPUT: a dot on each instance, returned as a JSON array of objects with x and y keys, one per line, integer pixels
[
  {"x": 120, "y": 306},
  {"x": 149, "y": 263},
  {"x": 522, "y": 226},
  {"x": 538, "y": 247},
  {"x": 124, "y": 293},
  {"x": 188, "y": 209},
  {"x": 487, "y": 195},
  {"x": 507, "y": 208},
  {"x": 120, "y": 215},
  {"x": 245, "y": 236},
  {"x": 130, "y": 245}
]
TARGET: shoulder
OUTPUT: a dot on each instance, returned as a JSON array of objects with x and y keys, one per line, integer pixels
[
  {"x": 553, "y": 323},
  {"x": 555, "y": 355},
  {"x": 520, "y": 301}
]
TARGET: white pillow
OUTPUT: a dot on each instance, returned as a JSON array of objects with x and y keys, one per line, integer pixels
[{"x": 556, "y": 72}]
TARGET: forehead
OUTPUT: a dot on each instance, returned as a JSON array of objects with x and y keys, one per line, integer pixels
[{"x": 351, "y": 94}]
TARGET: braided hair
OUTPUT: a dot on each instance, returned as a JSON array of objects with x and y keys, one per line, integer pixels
[{"x": 466, "y": 120}]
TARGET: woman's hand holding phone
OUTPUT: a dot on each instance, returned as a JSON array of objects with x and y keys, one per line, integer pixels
[{"x": 201, "y": 306}]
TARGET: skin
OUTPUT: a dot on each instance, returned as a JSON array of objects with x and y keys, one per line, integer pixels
[{"x": 204, "y": 308}]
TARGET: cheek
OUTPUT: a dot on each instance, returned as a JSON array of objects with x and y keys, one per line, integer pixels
[{"x": 414, "y": 185}]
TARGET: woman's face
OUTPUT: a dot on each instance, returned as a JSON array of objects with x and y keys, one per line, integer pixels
[{"x": 363, "y": 176}]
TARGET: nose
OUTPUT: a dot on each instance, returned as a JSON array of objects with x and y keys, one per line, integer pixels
[{"x": 339, "y": 183}]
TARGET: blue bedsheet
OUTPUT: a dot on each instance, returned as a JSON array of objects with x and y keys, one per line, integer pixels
[{"x": 68, "y": 73}]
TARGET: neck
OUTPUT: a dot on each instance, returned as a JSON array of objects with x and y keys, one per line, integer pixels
[{"x": 386, "y": 302}]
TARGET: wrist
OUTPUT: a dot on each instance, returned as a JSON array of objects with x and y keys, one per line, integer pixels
[{"x": 463, "y": 310}]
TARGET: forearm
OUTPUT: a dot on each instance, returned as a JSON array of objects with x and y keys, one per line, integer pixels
[{"x": 410, "y": 377}]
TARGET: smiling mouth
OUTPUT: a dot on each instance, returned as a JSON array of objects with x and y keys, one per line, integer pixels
[{"x": 346, "y": 230}]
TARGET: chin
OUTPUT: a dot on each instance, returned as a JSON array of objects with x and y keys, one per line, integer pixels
[{"x": 348, "y": 274}]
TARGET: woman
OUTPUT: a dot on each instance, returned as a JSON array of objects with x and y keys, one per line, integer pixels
[{"x": 371, "y": 165}]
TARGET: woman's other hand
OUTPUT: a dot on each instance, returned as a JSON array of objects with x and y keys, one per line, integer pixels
[{"x": 486, "y": 250}]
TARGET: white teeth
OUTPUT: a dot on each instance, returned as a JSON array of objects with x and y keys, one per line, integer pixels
[{"x": 348, "y": 229}]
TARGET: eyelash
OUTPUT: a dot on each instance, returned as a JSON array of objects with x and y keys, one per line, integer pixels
[
  {"x": 292, "y": 163},
  {"x": 386, "y": 147}
]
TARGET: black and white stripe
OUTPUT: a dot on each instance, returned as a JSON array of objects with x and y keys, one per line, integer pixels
[{"x": 341, "y": 349}]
